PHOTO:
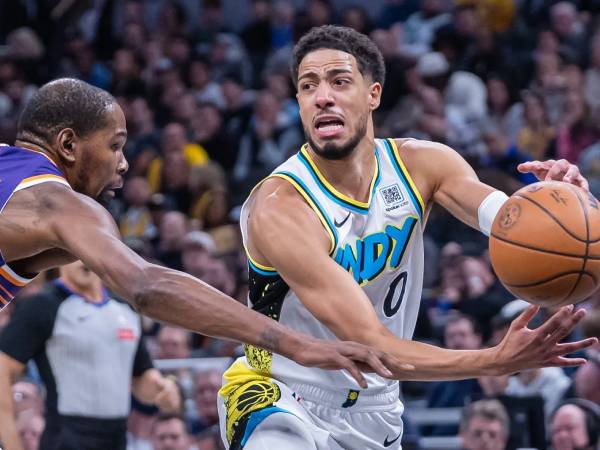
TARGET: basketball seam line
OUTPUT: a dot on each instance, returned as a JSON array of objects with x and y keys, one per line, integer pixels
[
  {"x": 543, "y": 250},
  {"x": 558, "y": 275},
  {"x": 587, "y": 245},
  {"x": 547, "y": 211}
]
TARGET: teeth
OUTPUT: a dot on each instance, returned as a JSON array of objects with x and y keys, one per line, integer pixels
[{"x": 330, "y": 127}]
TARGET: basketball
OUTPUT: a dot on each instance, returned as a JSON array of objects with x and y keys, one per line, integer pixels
[{"x": 545, "y": 244}]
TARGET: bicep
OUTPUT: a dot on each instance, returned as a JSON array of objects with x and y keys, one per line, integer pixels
[{"x": 459, "y": 189}]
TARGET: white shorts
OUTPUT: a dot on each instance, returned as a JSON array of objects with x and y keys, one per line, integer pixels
[{"x": 261, "y": 413}]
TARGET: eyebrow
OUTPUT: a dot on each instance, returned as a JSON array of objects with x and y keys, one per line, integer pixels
[
  {"x": 121, "y": 133},
  {"x": 330, "y": 73}
]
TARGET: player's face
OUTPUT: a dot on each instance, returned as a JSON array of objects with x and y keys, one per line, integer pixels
[
  {"x": 101, "y": 163},
  {"x": 335, "y": 101}
]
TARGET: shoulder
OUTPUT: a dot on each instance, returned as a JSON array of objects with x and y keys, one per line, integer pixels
[
  {"x": 276, "y": 210},
  {"x": 419, "y": 149},
  {"x": 59, "y": 202},
  {"x": 274, "y": 195},
  {"x": 428, "y": 163}
]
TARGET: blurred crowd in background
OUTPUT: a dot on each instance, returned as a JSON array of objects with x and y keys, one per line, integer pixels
[{"x": 211, "y": 110}]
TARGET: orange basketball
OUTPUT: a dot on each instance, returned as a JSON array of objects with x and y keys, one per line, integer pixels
[{"x": 545, "y": 244}]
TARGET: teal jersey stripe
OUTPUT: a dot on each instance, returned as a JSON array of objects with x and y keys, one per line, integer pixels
[{"x": 269, "y": 273}]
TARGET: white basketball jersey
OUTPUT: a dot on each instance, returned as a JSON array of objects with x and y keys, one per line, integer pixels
[{"x": 380, "y": 243}]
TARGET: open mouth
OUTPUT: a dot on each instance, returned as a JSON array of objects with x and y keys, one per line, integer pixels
[{"x": 328, "y": 126}]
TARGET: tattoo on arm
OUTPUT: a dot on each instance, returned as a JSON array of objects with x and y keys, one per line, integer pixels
[{"x": 269, "y": 339}]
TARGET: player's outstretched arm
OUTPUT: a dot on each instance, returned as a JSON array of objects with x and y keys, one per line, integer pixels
[
  {"x": 83, "y": 228},
  {"x": 452, "y": 182},
  {"x": 285, "y": 233}
]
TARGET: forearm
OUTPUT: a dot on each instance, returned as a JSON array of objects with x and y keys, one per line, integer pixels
[
  {"x": 435, "y": 363},
  {"x": 9, "y": 436},
  {"x": 182, "y": 300}
]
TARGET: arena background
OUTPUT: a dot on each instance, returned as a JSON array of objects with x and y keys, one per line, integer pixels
[{"x": 210, "y": 109}]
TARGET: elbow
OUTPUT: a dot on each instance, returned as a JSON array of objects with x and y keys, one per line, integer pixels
[{"x": 148, "y": 286}]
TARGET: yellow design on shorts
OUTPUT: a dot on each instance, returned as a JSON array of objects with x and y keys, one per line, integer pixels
[
  {"x": 259, "y": 358},
  {"x": 245, "y": 392}
]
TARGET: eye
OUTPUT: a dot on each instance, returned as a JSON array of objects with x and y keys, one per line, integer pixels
[
  {"x": 306, "y": 86},
  {"x": 341, "y": 81}
]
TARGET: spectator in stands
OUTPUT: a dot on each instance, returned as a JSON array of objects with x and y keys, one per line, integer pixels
[
  {"x": 27, "y": 396},
  {"x": 576, "y": 130},
  {"x": 484, "y": 426},
  {"x": 503, "y": 110},
  {"x": 137, "y": 221},
  {"x": 202, "y": 87},
  {"x": 270, "y": 139},
  {"x": 174, "y": 141},
  {"x": 173, "y": 228},
  {"x": 575, "y": 426},
  {"x": 143, "y": 139},
  {"x": 176, "y": 343},
  {"x": 592, "y": 75},
  {"x": 173, "y": 343},
  {"x": 569, "y": 29},
  {"x": 198, "y": 250},
  {"x": 88, "y": 350},
  {"x": 208, "y": 130},
  {"x": 461, "y": 333},
  {"x": 30, "y": 425},
  {"x": 208, "y": 186},
  {"x": 169, "y": 433},
  {"x": 502, "y": 154},
  {"x": 537, "y": 134},
  {"x": 206, "y": 428},
  {"x": 421, "y": 26}
]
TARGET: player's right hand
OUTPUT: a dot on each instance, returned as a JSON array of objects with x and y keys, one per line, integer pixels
[
  {"x": 523, "y": 348},
  {"x": 350, "y": 356}
]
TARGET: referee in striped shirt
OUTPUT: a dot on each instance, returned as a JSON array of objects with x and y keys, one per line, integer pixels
[{"x": 91, "y": 357}]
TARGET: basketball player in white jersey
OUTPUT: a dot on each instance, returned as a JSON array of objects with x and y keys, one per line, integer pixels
[{"x": 335, "y": 245}]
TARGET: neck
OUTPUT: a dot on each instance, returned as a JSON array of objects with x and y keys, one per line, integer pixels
[
  {"x": 92, "y": 292},
  {"x": 41, "y": 148},
  {"x": 352, "y": 175}
]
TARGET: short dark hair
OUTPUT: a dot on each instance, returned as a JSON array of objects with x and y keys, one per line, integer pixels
[
  {"x": 64, "y": 103},
  {"x": 368, "y": 57}
]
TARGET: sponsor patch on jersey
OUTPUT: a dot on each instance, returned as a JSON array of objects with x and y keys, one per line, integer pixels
[{"x": 392, "y": 197}]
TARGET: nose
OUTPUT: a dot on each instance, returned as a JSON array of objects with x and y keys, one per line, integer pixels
[
  {"x": 323, "y": 96},
  {"x": 123, "y": 165}
]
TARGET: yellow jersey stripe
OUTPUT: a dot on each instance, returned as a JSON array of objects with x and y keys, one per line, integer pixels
[{"x": 302, "y": 191}]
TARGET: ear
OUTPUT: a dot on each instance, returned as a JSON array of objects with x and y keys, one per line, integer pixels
[
  {"x": 374, "y": 96},
  {"x": 66, "y": 143}
]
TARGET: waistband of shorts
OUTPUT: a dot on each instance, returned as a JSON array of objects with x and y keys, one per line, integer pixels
[{"x": 342, "y": 398}]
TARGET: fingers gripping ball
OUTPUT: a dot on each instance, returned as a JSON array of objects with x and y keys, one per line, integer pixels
[{"x": 545, "y": 244}]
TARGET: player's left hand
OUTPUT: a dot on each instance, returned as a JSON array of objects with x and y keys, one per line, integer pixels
[{"x": 552, "y": 170}]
